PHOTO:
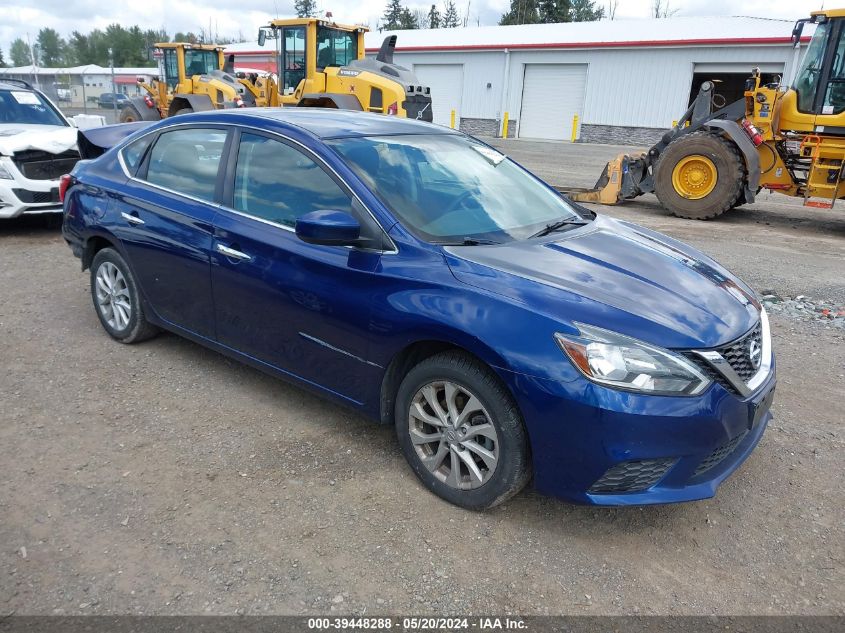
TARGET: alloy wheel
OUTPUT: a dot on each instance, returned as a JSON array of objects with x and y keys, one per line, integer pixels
[
  {"x": 453, "y": 435},
  {"x": 113, "y": 299}
]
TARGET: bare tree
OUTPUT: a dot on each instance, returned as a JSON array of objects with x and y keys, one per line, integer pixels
[
  {"x": 422, "y": 18},
  {"x": 611, "y": 9},
  {"x": 661, "y": 9}
]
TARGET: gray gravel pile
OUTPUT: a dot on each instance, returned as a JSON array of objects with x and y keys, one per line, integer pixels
[{"x": 805, "y": 308}]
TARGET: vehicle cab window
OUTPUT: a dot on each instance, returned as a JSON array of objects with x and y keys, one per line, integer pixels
[
  {"x": 187, "y": 161},
  {"x": 278, "y": 183},
  {"x": 335, "y": 47}
]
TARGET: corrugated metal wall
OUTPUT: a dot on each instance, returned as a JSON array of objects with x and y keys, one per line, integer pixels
[{"x": 644, "y": 87}]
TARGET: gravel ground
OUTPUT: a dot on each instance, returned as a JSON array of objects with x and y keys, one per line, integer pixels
[{"x": 164, "y": 478}]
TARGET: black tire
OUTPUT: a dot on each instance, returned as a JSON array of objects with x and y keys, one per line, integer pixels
[
  {"x": 129, "y": 114},
  {"x": 730, "y": 178},
  {"x": 187, "y": 110},
  {"x": 512, "y": 470},
  {"x": 137, "y": 328}
]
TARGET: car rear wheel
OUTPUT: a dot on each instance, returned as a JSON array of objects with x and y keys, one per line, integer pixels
[
  {"x": 461, "y": 431},
  {"x": 116, "y": 298}
]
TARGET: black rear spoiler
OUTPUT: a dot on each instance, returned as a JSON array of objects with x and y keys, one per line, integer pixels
[{"x": 96, "y": 141}]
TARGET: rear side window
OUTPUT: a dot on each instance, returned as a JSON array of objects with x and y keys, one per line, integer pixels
[
  {"x": 133, "y": 153},
  {"x": 275, "y": 182},
  {"x": 187, "y": 161}
]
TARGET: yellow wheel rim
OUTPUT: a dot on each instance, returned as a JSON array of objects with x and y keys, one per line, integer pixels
[{"x": 694, "y": 177}]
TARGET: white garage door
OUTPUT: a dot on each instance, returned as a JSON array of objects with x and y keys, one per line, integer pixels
[
  {"x": 551, "y": 95},
  {"x": 447, "y": 85}
]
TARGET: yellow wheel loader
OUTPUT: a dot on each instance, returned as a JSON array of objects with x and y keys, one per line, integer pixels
[
  {"x": 322, "y": 64},
  {"x": 192, "y": 78},
  {"x": 785, "y": 139}
]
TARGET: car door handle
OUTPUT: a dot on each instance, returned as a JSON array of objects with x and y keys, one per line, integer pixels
[
  {"x": 231, "y": 252},
  {"x": 131, "y": 218}
]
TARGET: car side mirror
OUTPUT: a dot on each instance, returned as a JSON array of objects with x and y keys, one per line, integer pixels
[
  {"x": 329, "y": 228},
  {"x": 262, "y": 37}
]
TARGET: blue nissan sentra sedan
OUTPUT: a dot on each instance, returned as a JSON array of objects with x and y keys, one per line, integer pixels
[{"x": 428, "y": 281}]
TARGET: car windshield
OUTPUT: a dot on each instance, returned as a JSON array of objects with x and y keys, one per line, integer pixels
[
  {"x": 450, "y": 189},
  {"x": 25, "y": 106}
]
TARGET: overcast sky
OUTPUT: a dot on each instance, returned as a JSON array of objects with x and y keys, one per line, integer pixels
[{"x": 231, "y": 17}]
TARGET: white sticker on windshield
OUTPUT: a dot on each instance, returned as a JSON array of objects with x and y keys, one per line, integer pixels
[
  {"x": 489, "y": 153},
  {"x": 26, "y": 98}
]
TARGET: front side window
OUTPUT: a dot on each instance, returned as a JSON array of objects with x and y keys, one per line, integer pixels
[
  {"x": 809, "y": 72},
  {"x": 448, "y": 188},
  {"x": 187, "y": 161},
  {"x": 277, "y": 183},
  {"x": 27, "y": 107},
  {"x": 199, "y": 62},
  {"x": 335, "y": 47}
]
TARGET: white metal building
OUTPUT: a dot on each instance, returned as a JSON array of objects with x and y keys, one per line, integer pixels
[{"x": 626, "y": 80}]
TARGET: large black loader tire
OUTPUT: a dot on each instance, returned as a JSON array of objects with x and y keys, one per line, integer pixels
[
  {"x": 130, "y": 114},
  {"x": 699, "y": 176}
]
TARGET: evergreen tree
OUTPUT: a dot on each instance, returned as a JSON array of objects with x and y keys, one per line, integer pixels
[
  {"x": 20, "y": 53},
  {"x": 522, "y": 12},
  {"x": 305, "y": 8},
  {"x": 408, "y": 20},
  {"x": 585, "y": 11},
  {"x": 434, "y": 17},
  {"x": 554, "y": 11},
  {"x": 2, "y": 61},
  {"x": 392, "y": 18},
  {"x": 450, "y": 18}
]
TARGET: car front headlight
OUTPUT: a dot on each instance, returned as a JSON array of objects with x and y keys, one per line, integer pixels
[
  {"x": 622, "y": 362},
  {"x": 4, "y": 173}
]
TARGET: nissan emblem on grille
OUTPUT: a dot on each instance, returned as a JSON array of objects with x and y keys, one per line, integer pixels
[{"x": 755, "y": 353}]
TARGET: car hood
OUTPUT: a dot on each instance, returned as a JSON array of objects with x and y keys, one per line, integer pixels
[
  {"x": 618, "y": 276},
  {"x": 17, "y": 137}
]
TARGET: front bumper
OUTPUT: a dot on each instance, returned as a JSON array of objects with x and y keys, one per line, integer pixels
[
  {"x": 24, "y": 196},
  {"x": 599, "y": 446}
]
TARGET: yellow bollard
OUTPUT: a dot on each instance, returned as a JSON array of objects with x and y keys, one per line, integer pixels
[
  {"x": 505, "y": 126},
  {"x": 452, "y": 120},
  {"x": 675, "y": 123},
  {"x": 574, "y": 128}
]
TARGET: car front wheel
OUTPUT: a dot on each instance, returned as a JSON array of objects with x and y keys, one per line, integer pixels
[
  {"x": 116, "y": 298},
  {"x": 461, "y": 431}
]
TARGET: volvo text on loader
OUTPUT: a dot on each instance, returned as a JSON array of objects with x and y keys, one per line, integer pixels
[{"x": 785, "y": 139}]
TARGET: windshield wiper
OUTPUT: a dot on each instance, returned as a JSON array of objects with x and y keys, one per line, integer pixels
[
  {"x": 557, "y": 226},
  {"x": 469, "y": 241}
]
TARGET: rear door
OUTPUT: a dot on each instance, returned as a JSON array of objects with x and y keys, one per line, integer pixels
[
  {"x": 164, "y": 217},
  {"x": 301, "y": 308}
]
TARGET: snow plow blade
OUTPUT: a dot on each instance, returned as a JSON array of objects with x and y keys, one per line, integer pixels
[{"x": 622, "y": 179}]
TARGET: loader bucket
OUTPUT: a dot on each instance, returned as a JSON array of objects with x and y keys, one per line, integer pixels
[{"x": 619, "y": 181}]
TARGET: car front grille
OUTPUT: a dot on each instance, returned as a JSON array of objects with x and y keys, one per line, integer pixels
[
  {"x": 714, "y": 458},
  {"x": 632, "y": 476},
  {"x": 737, "y": 353},
  {"x": 38, "y": 165},
  {"x": 37, "y": 197}
]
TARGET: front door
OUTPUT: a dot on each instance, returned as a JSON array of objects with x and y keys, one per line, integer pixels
[{"x": 298, "y": 307}]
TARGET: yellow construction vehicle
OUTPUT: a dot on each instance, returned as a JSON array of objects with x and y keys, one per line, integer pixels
[
  {"x": 322, "y": 64},
  {"x": 785, "y": 139},
  {"x": 195, "y": 77}
]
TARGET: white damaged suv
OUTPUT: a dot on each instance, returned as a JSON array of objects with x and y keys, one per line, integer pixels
[{"x": 37, "y": 146}]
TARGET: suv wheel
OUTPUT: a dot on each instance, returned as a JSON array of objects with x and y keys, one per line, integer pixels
[{"x": 461, "y": 431}]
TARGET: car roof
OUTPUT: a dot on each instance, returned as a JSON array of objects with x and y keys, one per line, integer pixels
[
  {"x": 329, "y": 123},
  {"x": 14, "y": 85}
]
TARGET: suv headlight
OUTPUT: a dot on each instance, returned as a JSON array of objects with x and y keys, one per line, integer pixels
[
  {"x": 622, "y": 362},
  {"x": 4, "y": 173}
]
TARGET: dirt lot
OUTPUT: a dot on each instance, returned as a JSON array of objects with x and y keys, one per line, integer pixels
[{"x": 164, "y": 478}]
